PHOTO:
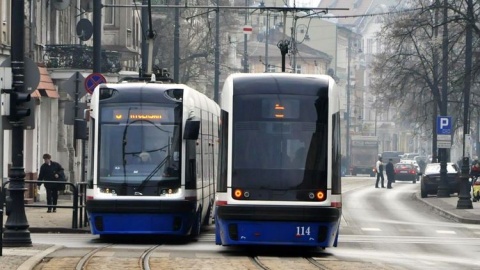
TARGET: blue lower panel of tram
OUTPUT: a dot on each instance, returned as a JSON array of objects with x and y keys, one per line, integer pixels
[
  {"x": 268, "y": 226},
  {"x": 144, "y": 217}
]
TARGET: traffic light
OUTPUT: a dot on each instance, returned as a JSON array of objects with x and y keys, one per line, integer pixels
[{"x": 19, "y": 105}]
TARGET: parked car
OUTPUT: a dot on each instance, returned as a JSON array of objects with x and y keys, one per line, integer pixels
[
  {"x": 406, "y": 172},
  {"x": 431, "y": 179},
  {"x": 394, "y": 155},
  {"x": 411, "y": 161}
]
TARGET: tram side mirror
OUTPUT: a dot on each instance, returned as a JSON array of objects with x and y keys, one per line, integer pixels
[
  {"x": 192, "y": 129},
  {"x": 80, "y": 129}
]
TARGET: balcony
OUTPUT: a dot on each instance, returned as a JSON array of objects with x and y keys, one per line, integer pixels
[{"x": 80, "y": 57}]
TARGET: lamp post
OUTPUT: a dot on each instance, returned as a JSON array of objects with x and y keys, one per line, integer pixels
[
  {"x": 16, "y": 232},
  {"x": 464, "y": 201},
  {"x": 303, "y": 30}
]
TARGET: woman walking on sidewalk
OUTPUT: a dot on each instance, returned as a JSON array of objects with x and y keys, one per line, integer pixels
[{"x": 51, "y": 171}]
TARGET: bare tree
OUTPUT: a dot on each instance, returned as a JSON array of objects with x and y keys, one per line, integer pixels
[
  {"x": 407, "y": 74},
  {"x": 197, "y": 43}
]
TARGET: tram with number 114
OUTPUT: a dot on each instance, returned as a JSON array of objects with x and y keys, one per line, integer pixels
[
  {"x": 153, "y": 149},
  {"x": 280, "y": 174}
]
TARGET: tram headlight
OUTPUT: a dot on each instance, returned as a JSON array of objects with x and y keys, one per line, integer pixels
[
  {"x": 169, "y": 192},
  {"x": 107, "y": 191}
]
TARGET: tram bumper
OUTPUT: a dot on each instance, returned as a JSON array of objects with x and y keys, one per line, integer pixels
[
  {"x": 277, "y": 225},
  {"x": 140, "y": 217}
]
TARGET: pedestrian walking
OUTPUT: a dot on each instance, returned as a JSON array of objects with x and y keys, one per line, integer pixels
[
  {"x": 390, "y": 173},
  {"x": 51, "y": 171},
  {"x": 379, "y": 167}
]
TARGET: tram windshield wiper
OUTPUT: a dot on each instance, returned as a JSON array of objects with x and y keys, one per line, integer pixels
[{"x": 139, "y": 189}]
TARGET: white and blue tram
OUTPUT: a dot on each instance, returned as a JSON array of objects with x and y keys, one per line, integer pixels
[
  {"x": 279, "y": 179},
  {"x": 153, "y": 151}
]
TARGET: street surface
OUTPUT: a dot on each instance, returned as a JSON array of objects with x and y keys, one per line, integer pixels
[{"x": 381, "y": 229}]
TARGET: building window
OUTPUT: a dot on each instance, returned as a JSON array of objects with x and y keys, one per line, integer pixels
[
  {"x": 271, "y": 68},
  {"x": 369, "y": 46},
  {"x": 109, "y": 13},
  {"x": 298, "y": 69}
]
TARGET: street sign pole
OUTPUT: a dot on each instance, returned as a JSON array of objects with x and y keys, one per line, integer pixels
[{"x": 444, "y": 142}]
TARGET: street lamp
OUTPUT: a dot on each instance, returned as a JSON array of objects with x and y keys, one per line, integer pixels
[
  {"x": 464, "y": 201},
  {"x": 16, "y": 232},
  {"x": 303, "y": 29}
]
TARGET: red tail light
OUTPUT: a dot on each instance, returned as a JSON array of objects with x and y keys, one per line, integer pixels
[{"x": 412, "y": 171}]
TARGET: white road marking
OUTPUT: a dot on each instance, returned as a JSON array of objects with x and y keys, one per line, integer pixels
[
  {"x": 445, "y": 232},
  {"x": 371, "y": 229}
]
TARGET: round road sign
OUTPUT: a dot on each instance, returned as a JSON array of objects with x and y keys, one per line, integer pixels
[{"x": 93, "y": 80}]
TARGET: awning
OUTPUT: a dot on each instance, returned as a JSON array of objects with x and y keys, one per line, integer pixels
[{"x": 45, "y": 88}]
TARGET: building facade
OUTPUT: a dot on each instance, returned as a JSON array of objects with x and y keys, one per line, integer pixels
[{"x": 58, "y": 42}]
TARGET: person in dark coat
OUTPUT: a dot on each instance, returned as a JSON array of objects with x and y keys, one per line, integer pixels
[
  {"x": 390, "y": 173},
  {"x": 51, "y": 171}
]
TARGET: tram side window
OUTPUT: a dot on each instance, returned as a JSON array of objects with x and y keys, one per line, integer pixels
[
  {"x": 223, "y": 152},
  {"x": 336, "y": 159},
  {"x": 92, "y": 151}
]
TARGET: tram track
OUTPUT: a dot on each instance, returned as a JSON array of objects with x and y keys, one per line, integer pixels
[
  {"x": 145, "y": 258},
  {"x": 141, "y": 262},
  {"x": 277, "y": 263},
  {"x": 83, "y": 262}
]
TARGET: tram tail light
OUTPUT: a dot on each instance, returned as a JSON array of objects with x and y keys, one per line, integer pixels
[
  {"x": 221, "y": 203},
  {"x": 237, "y": 193},
  {"x": 320, "y": 195}
]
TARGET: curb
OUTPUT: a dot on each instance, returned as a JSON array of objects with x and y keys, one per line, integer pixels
[
  {"x": 445, "y": 213},
  {"x": 57, "y": 230},
  {"x": 36, "y": 259}
]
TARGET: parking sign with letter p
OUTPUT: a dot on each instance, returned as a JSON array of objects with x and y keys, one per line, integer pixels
[{"x": 444, "y": 125}]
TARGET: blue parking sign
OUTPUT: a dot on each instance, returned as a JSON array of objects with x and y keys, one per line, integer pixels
[{"x": 444, "y": 125}]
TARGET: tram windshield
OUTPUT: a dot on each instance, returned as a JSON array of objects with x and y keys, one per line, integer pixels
[
  {"x": 139, "y": 149},
  {"x": 280, "y": 145}
]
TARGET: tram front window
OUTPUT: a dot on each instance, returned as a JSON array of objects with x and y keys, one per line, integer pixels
[
  {"x": 139, "y": 149},
  {"x": 280, "y": 146}
]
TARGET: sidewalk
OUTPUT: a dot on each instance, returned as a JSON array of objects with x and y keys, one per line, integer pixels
[
  {"x": 25, "y": 258},
  {"x": 447, "y": 207}
]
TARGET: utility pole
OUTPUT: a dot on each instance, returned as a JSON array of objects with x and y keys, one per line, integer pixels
[
  {"x": 347, "y": 134},
  {"x": 464, "y": 201},
  {"x": 176, "y": 45},
  {"x": 443, "y": 188},
  {"x": 266, "y": 41},
  {"x": 144, "y": 16},
  {"x": 435, "y": 80},
  {"x": 217, "y": 53},
  {"x": 97, "y": 36},
  {"x": 16, "y": 232},
  {"x": 245, "y": 51}
]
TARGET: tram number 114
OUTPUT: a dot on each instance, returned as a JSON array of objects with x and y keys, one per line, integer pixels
[{"x": 302, "y": 230}]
